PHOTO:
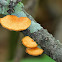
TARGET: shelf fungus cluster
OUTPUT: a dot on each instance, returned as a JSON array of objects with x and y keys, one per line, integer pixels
[
  {"x": 14, "y": 23},
  {"x": 31, "y": 45}
]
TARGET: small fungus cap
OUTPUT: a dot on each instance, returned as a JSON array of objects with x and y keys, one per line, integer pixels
[
  {"x": 29, "y": 42},
  {"x": 12, "y": 22},
  {"x": 34, "y": 51}
]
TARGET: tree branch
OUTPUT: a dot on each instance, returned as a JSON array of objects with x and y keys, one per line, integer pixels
[{"x": 51, "y": 46}]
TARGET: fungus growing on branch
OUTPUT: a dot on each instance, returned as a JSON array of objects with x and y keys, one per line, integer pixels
[
  {"x": 34, "y": 51},
  {"x": 12, "y": 22},
  {"x": 31, "y": 45},
  {"x": 29, "y": 42}
]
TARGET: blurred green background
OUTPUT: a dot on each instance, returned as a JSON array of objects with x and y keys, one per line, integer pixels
[{"x": 46, "y": 12}]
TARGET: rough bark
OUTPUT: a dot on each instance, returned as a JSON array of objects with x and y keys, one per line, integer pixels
[{"x": 51, "y": 46}]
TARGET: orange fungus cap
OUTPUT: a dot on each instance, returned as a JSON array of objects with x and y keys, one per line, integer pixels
[
  {"x": 29, "y": 42},
  {"x": 34, "y": 51},
  {"x": 12, "y": 22}
]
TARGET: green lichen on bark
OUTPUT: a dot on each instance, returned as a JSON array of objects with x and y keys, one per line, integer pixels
[
  {"x": 34, "y": 27},
  {"x": 4, "y": 10},
  {"x": 4, "y": 2},
  {"x": 18, "y": 7},
  {"x": 8, "y": 6},
  {"x": 4, "y": 6},
  {"x": 19, "y": 12}
]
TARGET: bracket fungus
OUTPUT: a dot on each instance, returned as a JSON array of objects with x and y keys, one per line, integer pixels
[
  {"x": 29, "y": 42},
  {"x": 12, "y": 22},
  {"x": 34, "y": 51},
  {"x": 31, "y": 45}
]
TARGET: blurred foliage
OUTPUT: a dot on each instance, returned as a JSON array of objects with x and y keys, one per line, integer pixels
[
  {"x": 13, "y": 43},
  {"x": 42, "y": 58}
]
